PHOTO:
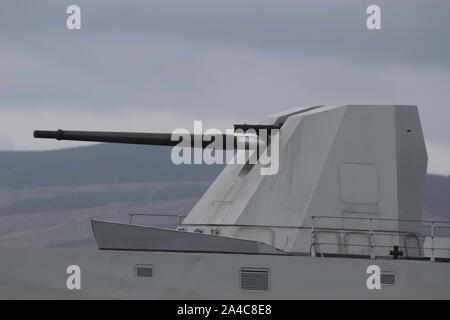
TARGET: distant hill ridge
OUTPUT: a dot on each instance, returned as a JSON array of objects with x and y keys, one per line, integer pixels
[
  {"x": 114, "y": 163},
  {"x": 97, "y": 164}
]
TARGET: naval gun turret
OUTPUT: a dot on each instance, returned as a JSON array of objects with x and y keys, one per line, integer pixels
[{"x": 350, "y": 181}]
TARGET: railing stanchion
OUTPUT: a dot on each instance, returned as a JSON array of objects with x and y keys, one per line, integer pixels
[
  {"x": 313, "y": 237},
  {"x": 372, "y": 246},
  {"x": 432, "y": 241}
]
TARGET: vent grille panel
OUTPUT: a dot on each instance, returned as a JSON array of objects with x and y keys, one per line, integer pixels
[
  {"x": 144, "y": 271},
  {"x": 254, "y": 280},
  {"x": 387, "y": 278}
]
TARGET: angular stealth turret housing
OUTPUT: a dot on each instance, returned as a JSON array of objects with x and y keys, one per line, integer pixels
[{"x": 347, "y": 163}]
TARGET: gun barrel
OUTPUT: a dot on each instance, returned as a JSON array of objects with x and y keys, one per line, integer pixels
[
  {"x": 163, "y": 139},
  {"x": 160, "y": 139}
]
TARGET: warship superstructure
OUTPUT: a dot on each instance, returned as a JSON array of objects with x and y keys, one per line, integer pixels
[{"x": 341, "y": 219}]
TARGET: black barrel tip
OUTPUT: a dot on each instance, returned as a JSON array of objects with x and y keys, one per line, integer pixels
[
  {"x": 41, "y": 134},
  {"x": 59, "y": 134}
]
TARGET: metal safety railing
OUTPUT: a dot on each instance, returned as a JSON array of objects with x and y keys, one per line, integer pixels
[
  {"x": 426, "y": 229},
  {"x": 384, "y": 234},
  {"x": 180, "y": 217}
]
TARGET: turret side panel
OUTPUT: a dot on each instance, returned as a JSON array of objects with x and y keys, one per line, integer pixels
[
  {"x": 282, "y": 199},
  {"x": 411, "y": 165},
  {"x": 363, "y": 154}
]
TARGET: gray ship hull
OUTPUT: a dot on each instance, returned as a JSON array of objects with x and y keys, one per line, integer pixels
[{"x": 108, "y": 274}]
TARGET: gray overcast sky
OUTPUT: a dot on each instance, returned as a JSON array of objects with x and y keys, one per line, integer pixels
[{"x": 158, "y": 65}]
